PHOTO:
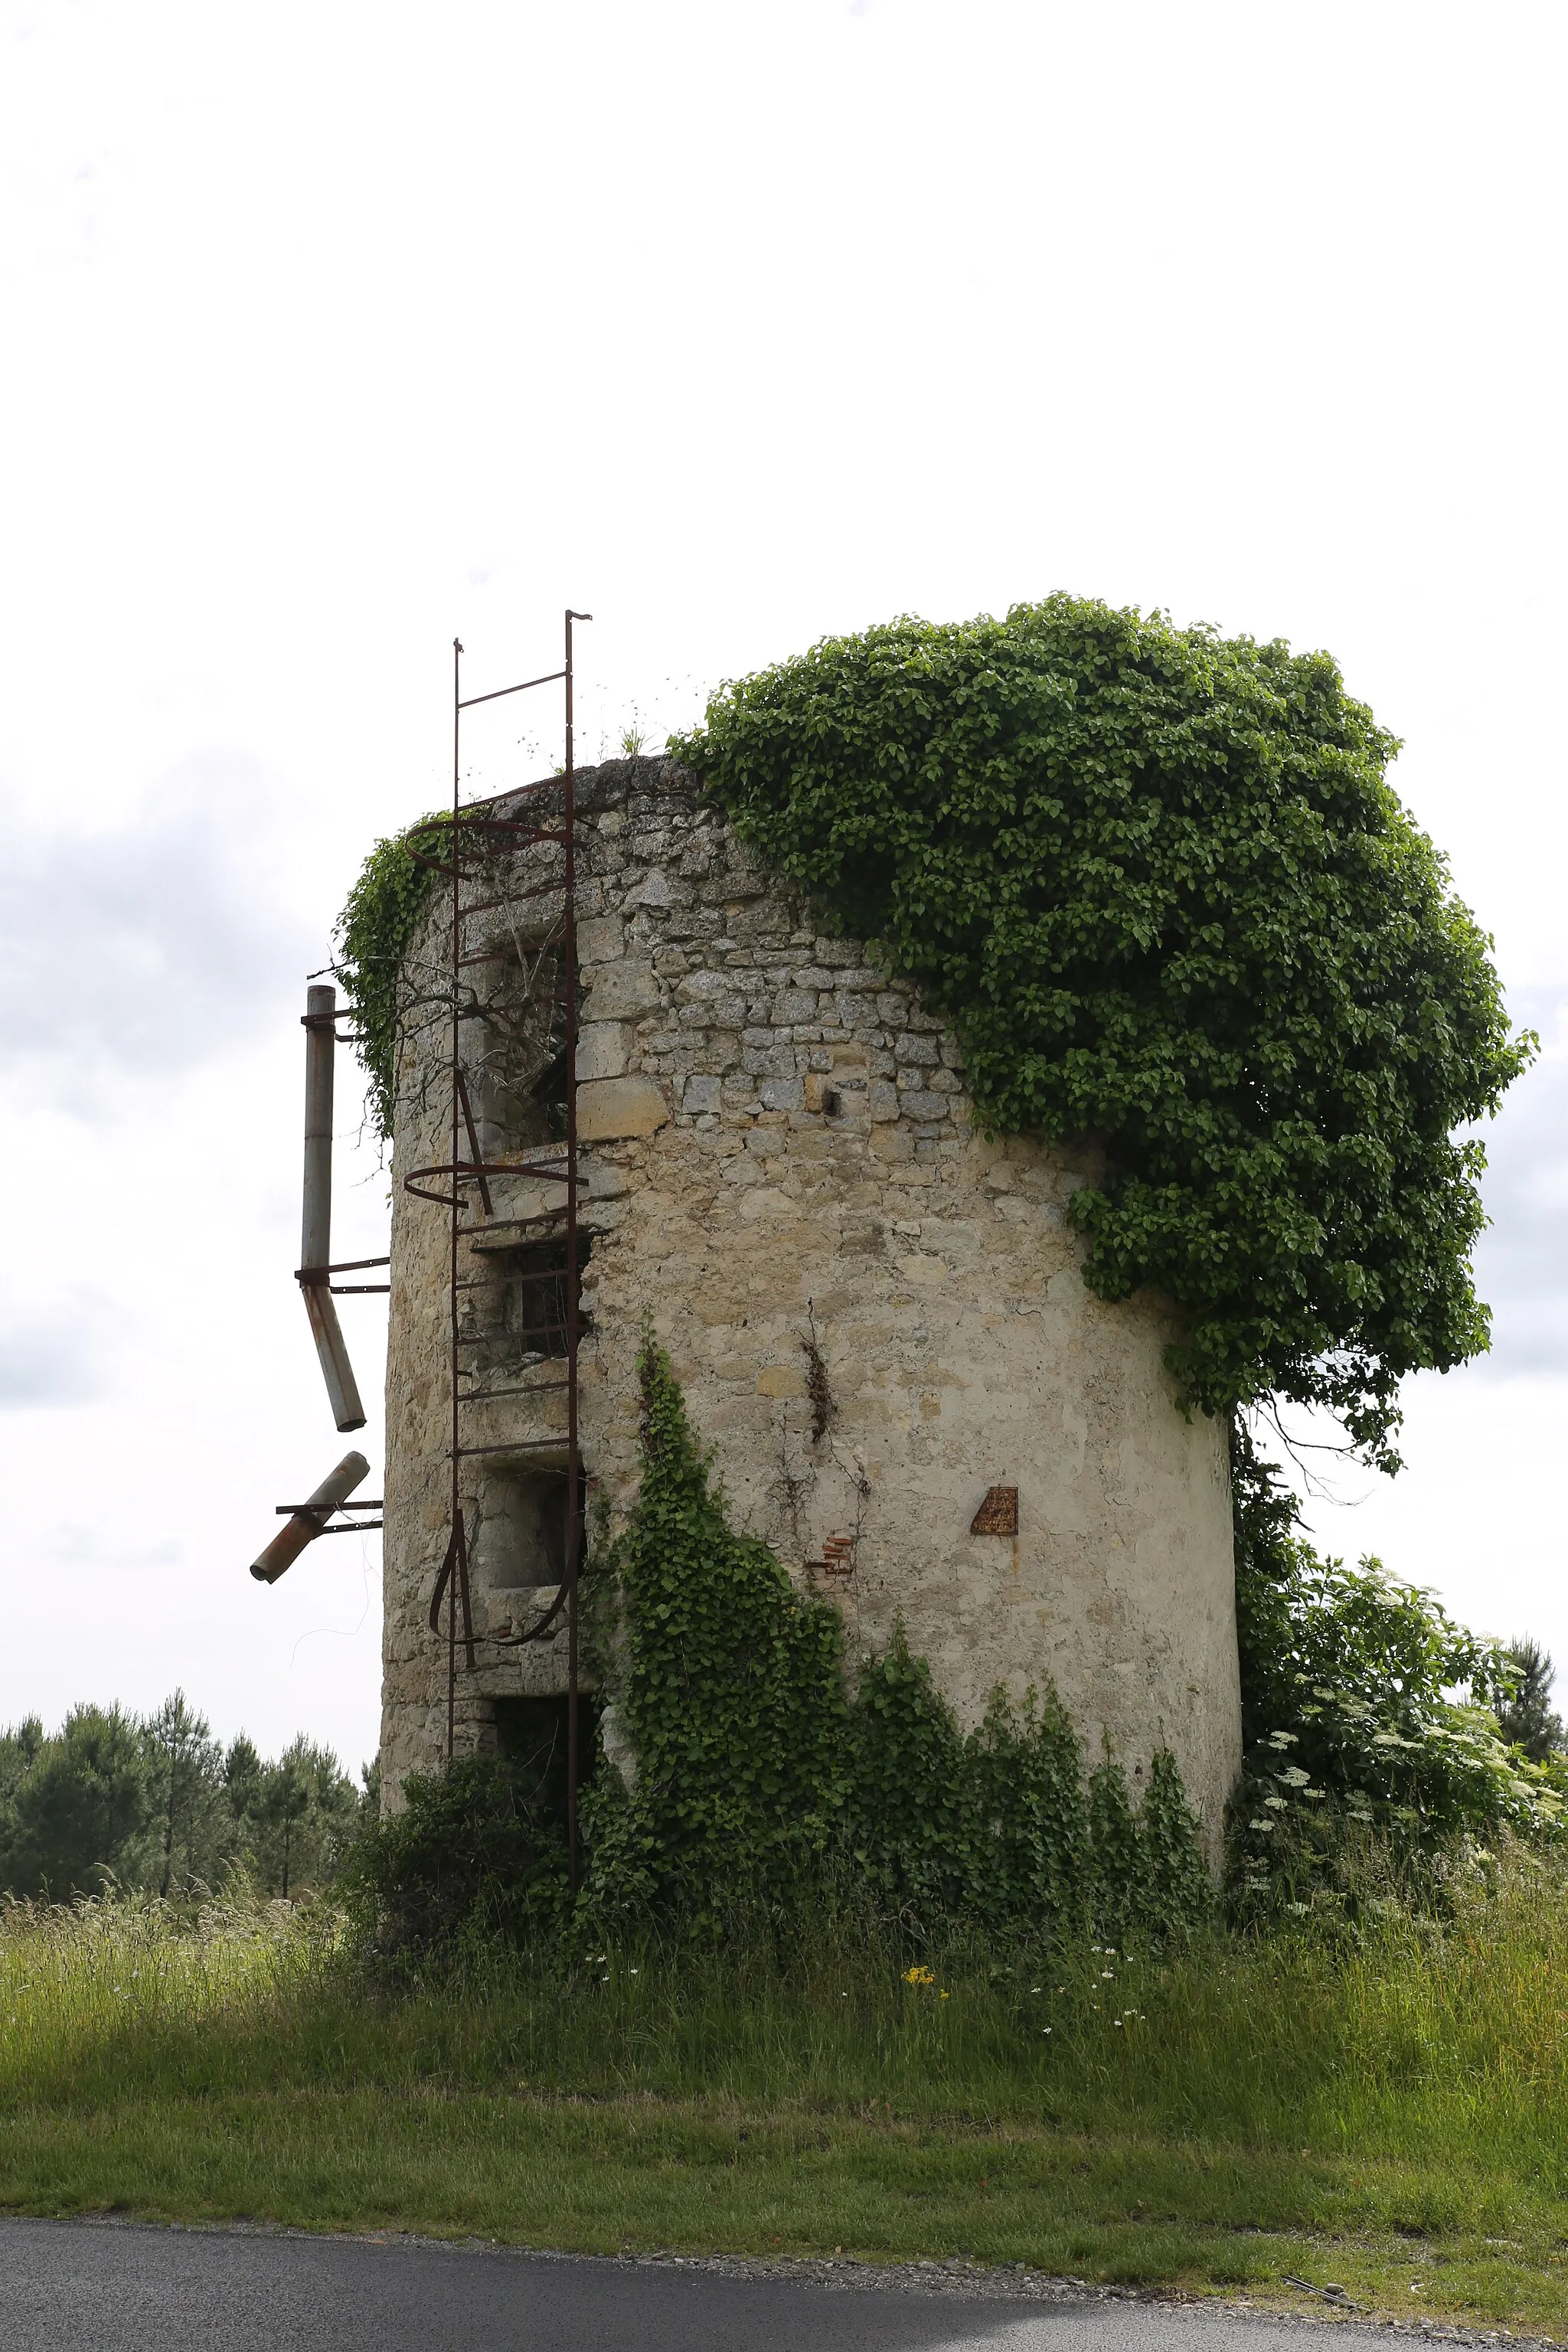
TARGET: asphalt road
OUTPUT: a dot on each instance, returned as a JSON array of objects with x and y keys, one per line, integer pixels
[{"x": 97, "y": 2287}]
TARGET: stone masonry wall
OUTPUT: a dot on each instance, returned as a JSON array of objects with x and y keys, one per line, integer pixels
[{"x": 777, "y": 1150}]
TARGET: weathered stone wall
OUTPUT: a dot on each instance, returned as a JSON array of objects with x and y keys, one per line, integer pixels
[{"x": 778, "y": 1152}]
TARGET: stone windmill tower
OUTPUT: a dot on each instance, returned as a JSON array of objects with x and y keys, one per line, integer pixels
[{"x": 878, "y": 1317}]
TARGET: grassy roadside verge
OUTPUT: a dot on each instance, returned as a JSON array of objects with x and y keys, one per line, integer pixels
[
  {"x": 1391, "y": 2117},
  {"x": 617, "y": 2176}
]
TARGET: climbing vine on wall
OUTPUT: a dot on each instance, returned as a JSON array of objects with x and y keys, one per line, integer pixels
[
  {"x": 730, "y": 1685},
  {"x": 373, "y": 936},
  {"x": 758, "y": 1765},
  {"x": 1159, "y": 882}
]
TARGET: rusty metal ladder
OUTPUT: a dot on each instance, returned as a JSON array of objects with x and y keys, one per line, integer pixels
[{"x": 475, "y": 845}]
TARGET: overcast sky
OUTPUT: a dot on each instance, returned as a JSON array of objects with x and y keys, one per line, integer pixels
[{"x": 332, "y": 332}]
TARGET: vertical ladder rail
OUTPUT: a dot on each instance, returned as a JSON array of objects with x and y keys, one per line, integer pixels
[
  {"x": 494, "y": 839},
  {"x": 573, "y": 1500}
]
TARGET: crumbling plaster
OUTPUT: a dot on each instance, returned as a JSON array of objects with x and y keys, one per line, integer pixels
[{"x": 776, "y": 1145}]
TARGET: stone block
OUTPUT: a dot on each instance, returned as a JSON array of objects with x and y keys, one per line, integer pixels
[
  {"x": 769, "y": 1061},
  {"x": 912, "y": 1046},
  {"x": 781, "y": 1093},
  {"x": 701, "y": 1094},
  {"x": 892, "y": 1141},
  {"x": 619, "y": 1106},
  {"x": 599, "y": 939},
  {"x": 744, "y": 877},
  {"x": 621, "y": 992},
  {"x": 601, "y": 1050},
  {"x": 699, "y": 986},
  {"x": 884, "y": 1099},
  {"x": 715, "y": 1011},
  {"x": 781, "y": 1381},
  {"x": 766, "y": 1203}
]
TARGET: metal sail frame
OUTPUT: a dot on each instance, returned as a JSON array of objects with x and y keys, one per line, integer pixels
[{"x": 474, "y": 845}]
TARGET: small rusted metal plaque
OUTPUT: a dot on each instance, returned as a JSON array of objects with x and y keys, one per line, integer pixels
[{"x": 998, "y": 1513}]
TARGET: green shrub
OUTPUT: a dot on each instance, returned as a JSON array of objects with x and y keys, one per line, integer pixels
[
  {"x": 472, "y": 1855},
  {"x": 1367, "y": 1721}
]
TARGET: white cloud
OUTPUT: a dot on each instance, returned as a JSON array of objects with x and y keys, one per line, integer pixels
[
  {"x": 53, "y": 1361},
  {"x": 1521, "y": 1262},
  {"x": 149, "y": 947}
]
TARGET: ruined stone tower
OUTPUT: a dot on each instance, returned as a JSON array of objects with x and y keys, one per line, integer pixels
[{"x": 878, "y": 1317}]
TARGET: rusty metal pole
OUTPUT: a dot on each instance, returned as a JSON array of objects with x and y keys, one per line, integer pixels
[
  {"x": 456, "y": 1190},
  {"x": 308, "y": 1521},
  {"x": 573, "y": 1478},
  {"x": 314, "y": 1276}
]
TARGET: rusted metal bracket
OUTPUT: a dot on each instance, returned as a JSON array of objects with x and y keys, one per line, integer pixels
[{"x": 322, "y": 1274}]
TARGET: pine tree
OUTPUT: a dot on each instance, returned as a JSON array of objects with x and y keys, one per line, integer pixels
[{"x": 1526, "y": 1720}]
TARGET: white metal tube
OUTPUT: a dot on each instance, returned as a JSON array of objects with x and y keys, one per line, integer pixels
[
  {"x": 316, "y": 1218},
  {"x": 321, "y": 1039},
  {"x": 343, "y": 1393}
]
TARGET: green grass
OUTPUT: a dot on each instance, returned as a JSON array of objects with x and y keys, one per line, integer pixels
[{"x": 1389, "y": 2116}]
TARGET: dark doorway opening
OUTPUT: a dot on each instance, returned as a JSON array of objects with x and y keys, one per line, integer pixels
[{"x": 530, "y": 1736}]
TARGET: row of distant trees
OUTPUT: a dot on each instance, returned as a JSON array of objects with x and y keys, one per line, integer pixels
[{"x": 154, "y": 1803}]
